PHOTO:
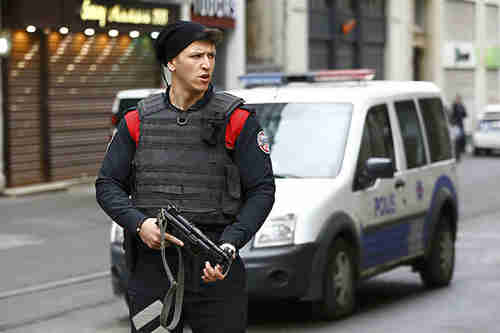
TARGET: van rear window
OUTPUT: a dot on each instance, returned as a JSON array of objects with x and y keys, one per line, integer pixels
[{"x": 436, "y": 127}]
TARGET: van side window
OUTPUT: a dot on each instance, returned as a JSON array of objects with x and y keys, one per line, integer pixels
[
  {"x": 436, "y": 127},
  {"x": 377, "y": 139},
  {"x": 411, "y": 133}
]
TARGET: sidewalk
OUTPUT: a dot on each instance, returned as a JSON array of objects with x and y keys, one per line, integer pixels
[{"x": 49, "y": 187}]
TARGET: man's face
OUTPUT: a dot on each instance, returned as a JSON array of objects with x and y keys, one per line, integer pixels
[{"x": 194, "y": 66}]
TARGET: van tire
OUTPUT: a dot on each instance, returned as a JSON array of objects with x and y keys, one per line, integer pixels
[
  {"x": 339, "y": 283},
  {"x": 437, "y": 269}
]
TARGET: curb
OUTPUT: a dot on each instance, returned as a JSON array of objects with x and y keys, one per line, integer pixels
[{"x": 46, "y": 187}]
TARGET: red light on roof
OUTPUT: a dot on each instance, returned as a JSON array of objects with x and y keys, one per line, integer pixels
[{"x": 364, "y": 74}]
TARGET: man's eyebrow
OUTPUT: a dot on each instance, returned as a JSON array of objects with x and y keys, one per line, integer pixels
[{"x": 195, "y": 52}]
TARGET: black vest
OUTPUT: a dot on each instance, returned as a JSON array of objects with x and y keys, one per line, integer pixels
[{"x": 187, "y": 164}]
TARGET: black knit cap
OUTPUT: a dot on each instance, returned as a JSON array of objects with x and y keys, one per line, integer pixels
[{"x": 176, "y": 36}]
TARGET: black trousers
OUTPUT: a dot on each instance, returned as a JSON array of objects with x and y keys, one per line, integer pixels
[{"x": 208, "y": 307}]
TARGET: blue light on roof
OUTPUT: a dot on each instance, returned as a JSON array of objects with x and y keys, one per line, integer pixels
[{"x": 262, "y": 79}]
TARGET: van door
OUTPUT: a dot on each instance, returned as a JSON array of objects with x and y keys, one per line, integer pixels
[
  {"x": 414, "y": 173},
  {"x": 382, "y": 207}
]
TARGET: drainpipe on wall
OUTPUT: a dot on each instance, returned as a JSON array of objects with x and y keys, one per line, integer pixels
[
  {"x": 297, "y": 33},
  {"x": 480, "y": 89},
  {"x": 2, "y": 174},
  {"x": 185, "y": 12},
  {"x": 236, "y": 48}
]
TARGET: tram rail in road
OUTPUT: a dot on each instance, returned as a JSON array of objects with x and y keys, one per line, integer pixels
[{"x": 24, "y": 319}]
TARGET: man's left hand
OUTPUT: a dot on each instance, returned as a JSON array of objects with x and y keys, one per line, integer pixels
[{"x": 212, "y": 274}]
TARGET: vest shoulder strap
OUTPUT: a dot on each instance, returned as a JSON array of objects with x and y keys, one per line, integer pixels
[
  {"x": 150, "y": 105},
  {"x": 221, "y": 105}
]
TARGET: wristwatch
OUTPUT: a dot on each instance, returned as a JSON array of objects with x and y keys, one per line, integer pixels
[{"x": 139, "y": 226}]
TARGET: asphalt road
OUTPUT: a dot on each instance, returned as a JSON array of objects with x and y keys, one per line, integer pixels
[{"x": 54, "y": 262}]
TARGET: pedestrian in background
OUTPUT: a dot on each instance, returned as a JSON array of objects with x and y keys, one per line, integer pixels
[
  {"x": 458, "y": 115},
  {"x": 202, "y": 151}
]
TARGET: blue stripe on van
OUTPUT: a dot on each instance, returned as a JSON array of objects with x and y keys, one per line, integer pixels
[
  {"x": 385, "y": 244},
  {"x": 392, "y": 242}
]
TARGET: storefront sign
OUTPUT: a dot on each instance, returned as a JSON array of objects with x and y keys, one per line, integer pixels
[
  {"x": 459, "y": 55},
  {"x": 118, "y": 14},
  {"x": 215, "y": 8}
]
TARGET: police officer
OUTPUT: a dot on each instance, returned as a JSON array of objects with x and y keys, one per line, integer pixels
[{"x": 204, "y": 152}]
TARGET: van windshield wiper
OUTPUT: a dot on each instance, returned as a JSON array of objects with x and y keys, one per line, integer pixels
[{"x": 285, "y": 175}]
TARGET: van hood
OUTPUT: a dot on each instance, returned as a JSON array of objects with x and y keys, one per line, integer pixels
[{"x": 301, "y": 196}]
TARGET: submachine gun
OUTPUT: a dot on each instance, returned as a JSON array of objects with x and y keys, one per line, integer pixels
[{"x": 170, "y": 220}]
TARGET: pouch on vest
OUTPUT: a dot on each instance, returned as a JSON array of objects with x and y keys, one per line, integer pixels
[
  {"x": 231, "y": 202},
  {"x": 210, "y": 130}
]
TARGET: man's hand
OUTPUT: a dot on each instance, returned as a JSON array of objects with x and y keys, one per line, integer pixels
[
  {"x": 212, "y": 274},
  {"x": 151, "y": 236}
]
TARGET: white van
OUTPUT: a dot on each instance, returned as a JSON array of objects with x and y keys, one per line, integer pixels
[{"x": 365, "y": 182}]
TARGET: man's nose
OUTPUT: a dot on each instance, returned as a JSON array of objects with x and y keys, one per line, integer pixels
[{"x": 206, "y": 63}]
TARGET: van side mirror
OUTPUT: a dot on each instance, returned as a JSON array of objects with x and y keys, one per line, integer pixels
[
  {"x": 379, "y": 167},
  {"x": 375, "y": 167}
]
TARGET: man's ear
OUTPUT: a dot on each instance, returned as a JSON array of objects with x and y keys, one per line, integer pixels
[{"x": 171, "y": 66}]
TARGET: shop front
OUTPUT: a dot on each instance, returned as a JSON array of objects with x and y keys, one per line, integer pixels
[{"x": 68, "y": 59}]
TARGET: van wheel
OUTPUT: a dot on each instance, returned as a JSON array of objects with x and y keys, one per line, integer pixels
[
  {"x": 437, "y": 269},
  {"x": 339, "y": 287}
]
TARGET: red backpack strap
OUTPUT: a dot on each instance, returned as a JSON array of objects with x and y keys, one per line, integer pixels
[
  {"x": 133, "y": 125},
  {"x": 237, "y": 120}
]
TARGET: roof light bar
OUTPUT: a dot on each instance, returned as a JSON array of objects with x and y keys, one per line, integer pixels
[
  {"x": 363, "y": 74},
  {"x": 278, "y": 78}
]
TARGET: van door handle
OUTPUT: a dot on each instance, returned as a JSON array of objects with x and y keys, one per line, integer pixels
[{"x": 399, "y": 183}]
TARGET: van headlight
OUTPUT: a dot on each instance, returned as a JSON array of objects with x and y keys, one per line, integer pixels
[
  {"x": 276, "y": 231},
  {"x": 116, "y": 233}
]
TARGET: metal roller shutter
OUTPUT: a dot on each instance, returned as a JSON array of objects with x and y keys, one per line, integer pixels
[
  {"x": 85, "y": 74},
  {"x": 23, "y": 132}
]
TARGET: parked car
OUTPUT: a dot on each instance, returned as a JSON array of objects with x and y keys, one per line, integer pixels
[
  {"x": 486, "y": 137},
  {"x": 365, "y": 182},
  {"x": 126, "y": 99}
]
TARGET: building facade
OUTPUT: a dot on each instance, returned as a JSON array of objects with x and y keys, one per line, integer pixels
[
  {"x": 454, "y": 43},
  {"x": 68, "y": 60},
  {"x": 301, "y": 35}
]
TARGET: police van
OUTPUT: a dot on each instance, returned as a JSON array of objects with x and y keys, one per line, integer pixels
[{"x": 365, "y": 182}]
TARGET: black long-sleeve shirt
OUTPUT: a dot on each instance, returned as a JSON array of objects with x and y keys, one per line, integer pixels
[{"x": 113, "y": 187}]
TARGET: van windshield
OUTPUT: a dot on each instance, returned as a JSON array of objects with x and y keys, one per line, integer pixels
[{"x": 307, "y": 140}]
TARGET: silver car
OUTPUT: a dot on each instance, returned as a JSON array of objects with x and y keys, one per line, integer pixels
[{"x": 486, "y": 137}]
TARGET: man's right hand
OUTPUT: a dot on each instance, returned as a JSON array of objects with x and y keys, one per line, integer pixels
[{"x": 151, "y": 236}]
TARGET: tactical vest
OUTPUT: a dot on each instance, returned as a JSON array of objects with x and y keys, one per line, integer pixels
[{"x": 181, "y": 158}]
